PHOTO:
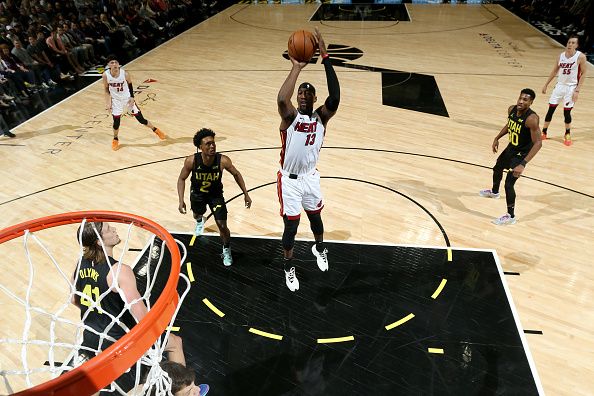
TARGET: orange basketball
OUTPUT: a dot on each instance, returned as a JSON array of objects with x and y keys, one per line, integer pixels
[{"x": 302, "y": 45}]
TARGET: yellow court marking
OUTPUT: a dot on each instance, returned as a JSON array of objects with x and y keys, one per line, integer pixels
[
  {"x": 213, "y": 308},
  {"x": 439, "y": 288},
  {"x": 332, "y": 340},
  {"x": 190, "y": 273},
  {"x": 192, "y": 240},
  {"x": 449, "y": 254},
  {"x": 265, "y": 334},
  {"x": 173, "y": 328},
  {"x": 435, "y": 350},
  {"x": 399, "y": 322}
]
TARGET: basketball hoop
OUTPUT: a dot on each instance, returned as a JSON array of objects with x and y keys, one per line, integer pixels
[{"x": 109, "y": 364}]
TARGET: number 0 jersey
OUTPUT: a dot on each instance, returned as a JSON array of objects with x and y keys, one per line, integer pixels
[
  {"x": 301, "y": 144},
  {"x": 92, "y": 283},
  {"x": 207, "y": 180},
  {"x": 520, "y": 138},
  {"x": 118, "y": 87}
]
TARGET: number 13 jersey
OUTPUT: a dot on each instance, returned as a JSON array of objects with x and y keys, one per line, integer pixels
[{"x": 301, "y": 144}]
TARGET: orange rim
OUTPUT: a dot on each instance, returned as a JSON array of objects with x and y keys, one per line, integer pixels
[{"x": 104, "y": 368}]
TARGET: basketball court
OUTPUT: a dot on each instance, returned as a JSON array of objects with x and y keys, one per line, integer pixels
[{"x": 424, "y": 295}]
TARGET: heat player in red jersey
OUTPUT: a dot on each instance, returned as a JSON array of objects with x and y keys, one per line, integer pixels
[
  {"x": 302, "y": 131},
  {"x": 119, "y": 98},
  {"x": 570, "y": 70}
]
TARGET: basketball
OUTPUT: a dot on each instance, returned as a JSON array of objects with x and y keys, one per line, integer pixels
[{"x": 302, "y": 45}]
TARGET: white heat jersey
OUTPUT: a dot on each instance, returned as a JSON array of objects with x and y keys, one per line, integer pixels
[
  {"x": 301, "y": 144},
  {"x": 569, "y": 71},
  {"x": 118, "y": 87}
]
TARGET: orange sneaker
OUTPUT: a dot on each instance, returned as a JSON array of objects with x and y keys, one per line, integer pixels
[
  {"x": 115, "y": 145},
  {"x": 543, "y": 136},
  {"x": 160, "y": 133},
  {"x": 567, "y": 140}
]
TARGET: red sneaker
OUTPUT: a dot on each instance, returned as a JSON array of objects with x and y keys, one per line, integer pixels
[
  {"x": 567, "y": 140},
  {"x": 115, "y": 145}
]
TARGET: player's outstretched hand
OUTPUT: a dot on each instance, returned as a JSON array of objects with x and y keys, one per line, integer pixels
[
  {"x": 295, "y": 62},
  {"x": 517, "y": 171},
  {"x": 182, "y": 208},
  {"x": 544, "y": 89},
  {"x": 321, "y": 43},
  {"x": 248, "y": 201}
]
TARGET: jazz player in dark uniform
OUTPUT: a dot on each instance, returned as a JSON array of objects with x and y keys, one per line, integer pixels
[
  {"x": 302, "y": 133},
  {"x": 95, "y": 282},
  {"x": 206, "y": 167},
  {"x": 524, "y": 134}
]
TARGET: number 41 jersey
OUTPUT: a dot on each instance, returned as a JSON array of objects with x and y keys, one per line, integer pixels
[{"x": 301, "y": 144}]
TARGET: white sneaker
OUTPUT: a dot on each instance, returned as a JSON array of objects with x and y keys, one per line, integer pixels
[
  {"x": 488, "y": 194},
  {"x": 227, "y": 258},
  {"x": 199, "y": 227},
  {"x": 321, "y": 258},
  {"x": 291, "y": 279},
  {"x": 506, "y": 219}
]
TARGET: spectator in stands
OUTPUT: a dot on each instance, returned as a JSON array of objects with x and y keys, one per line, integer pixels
[
  {"x": 40, "y": 70},
  {"x": 55, "y": 43}
]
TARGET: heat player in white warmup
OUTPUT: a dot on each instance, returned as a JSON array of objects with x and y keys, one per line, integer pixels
[
  {"x": 119, "y": 98},
  {"x": 570, "y": 70},
  {"x": 302, "y": 133}
]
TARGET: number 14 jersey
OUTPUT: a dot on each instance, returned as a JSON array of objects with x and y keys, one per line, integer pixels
[{"x": 301, "y": 144}]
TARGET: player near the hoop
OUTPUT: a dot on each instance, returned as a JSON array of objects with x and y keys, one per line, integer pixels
[
  {"x": 119, "y": 99},
  {"x": 99, "y": 274},
  {"x": 206, "y": 167},
  {"x": 302, "y": 132},
  {"x": 570, "y": 69}
]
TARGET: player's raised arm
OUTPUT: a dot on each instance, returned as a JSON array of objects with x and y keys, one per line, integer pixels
[
  {"x": 328, "y": 109},
  {"x": 285, "y": 107}
]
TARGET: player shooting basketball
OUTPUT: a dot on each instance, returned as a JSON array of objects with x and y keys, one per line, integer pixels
[{"x": 302, "y": 133}]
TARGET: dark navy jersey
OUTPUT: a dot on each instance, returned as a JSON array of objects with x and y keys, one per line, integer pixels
[
  {"x": 92, "y": 283},
  {"x": 520, "y": 138},
  {"x": 207, "y": 180}
]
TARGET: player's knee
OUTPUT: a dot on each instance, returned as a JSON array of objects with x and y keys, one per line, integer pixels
[
  {"x": 567, "y": 114},
  {"x": 510, "y": 180},
  {"x": 116, "y": 122},
  {"x": 550, "y": 113},
  {"x": 315, "y": 221},
  {"x": 141, "y": 118},
  {"x": 289, "y": 232}
]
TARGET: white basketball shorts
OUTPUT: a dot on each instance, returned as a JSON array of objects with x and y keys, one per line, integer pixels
[
  {"x": 299, "y": 191},
  {"x": 563, "y": 94}
]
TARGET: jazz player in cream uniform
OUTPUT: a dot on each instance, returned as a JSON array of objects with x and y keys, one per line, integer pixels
[
  {"x": 570, "y": 70},
  {"x": 298, "y": 182},
  {"x": 119, "y": 98}
]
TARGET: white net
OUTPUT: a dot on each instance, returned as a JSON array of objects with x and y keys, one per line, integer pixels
[{"x": 42, "y": 334}]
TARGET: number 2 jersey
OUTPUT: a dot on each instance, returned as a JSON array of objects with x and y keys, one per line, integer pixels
[
  {"x": 92, "y": 283},
  {"x": 207, "y": 180},
  {"x": 520, "y": 138},
  {"x": 301, "y": 144}
]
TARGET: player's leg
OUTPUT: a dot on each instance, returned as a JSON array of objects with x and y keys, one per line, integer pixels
[
  {"x": 219, "y": 212},
  {"x": 568, "y": 106},
  {"x": 313, "y": 203},
  {"x": 117, "y": 108},
  {"x": 289, "y": 195},
  {"x": 556, "y": 96},
  {"x": 501, "y": 164},
  {"x": 140, "y": 118},
  {"x": 198, "y": 205},
  {"x": 510, "y": 192}
]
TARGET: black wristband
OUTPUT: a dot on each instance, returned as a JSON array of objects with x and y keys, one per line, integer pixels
[{"x": 523, "y": 163}]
